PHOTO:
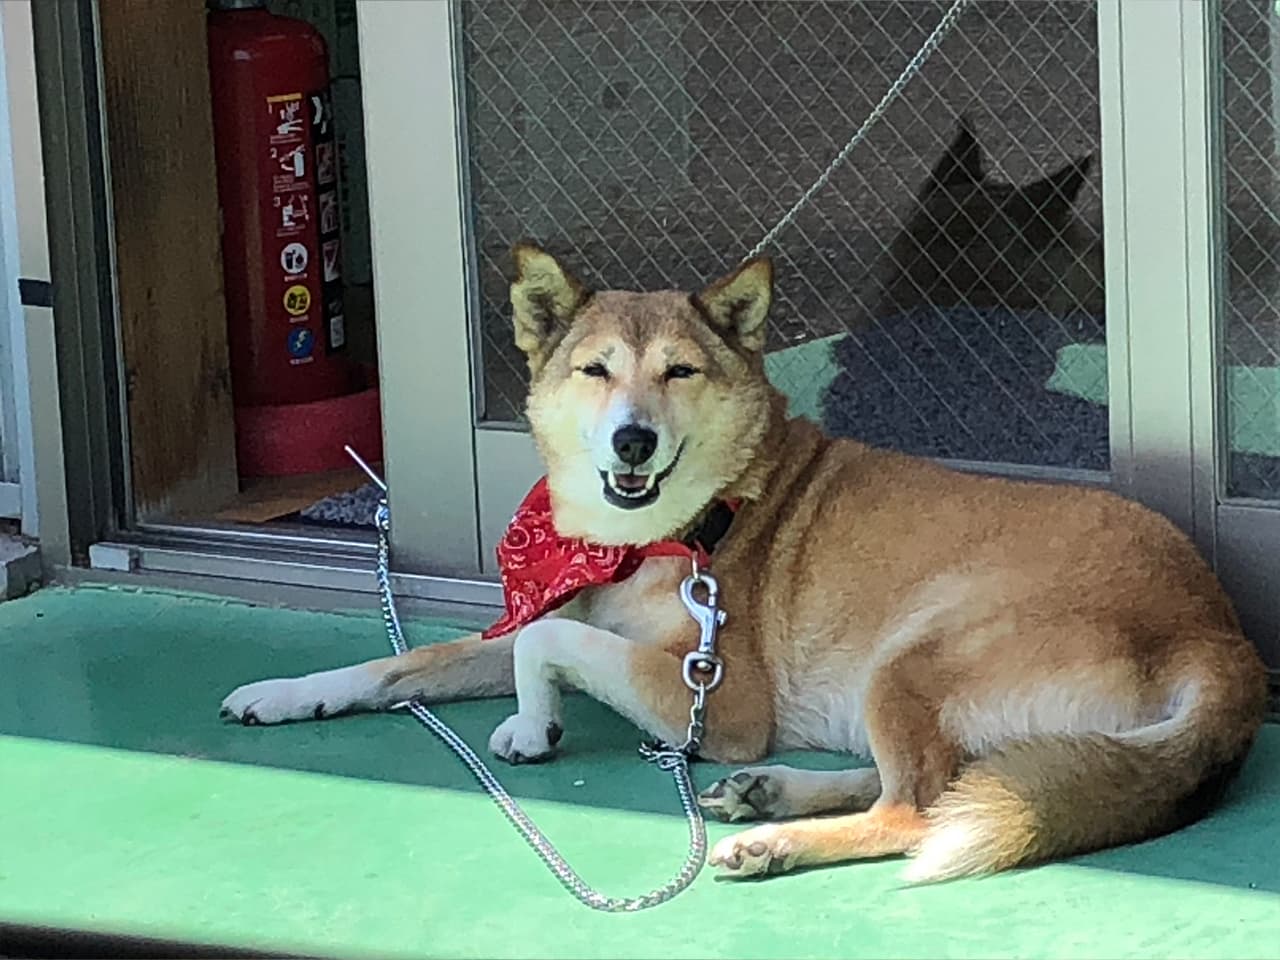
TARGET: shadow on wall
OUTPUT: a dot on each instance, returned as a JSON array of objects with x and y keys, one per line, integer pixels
[
  {"x": 970, "y": 240},
  {"x": 976, "y": 295}
]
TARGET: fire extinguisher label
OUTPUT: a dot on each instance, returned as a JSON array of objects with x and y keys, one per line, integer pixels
[
  {"x": 326, "y": 164},
  {"x": 290, "y": 181},
  {"x": 294, "y": 259},
  {"x": 304, "y": 215},
  {"x": 292, "y": 163},
  {"x": 332, "y": 270},
  {"x": 297, "y": 300},
  {"x": 329, "y": 212},
  {"x": 291, "y": 120},
  {"x": 301, "y": 343},
  {"x": 324, "y": 143}
]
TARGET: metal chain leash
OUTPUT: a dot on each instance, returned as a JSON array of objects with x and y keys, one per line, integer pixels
[
  {"x": 702, "y": 669},
  {"x": 914, "y": 65},
  {"x": 674, "y": 760}
]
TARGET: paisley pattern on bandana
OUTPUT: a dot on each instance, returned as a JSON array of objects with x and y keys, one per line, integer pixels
[{"x": 542, "y": 570}]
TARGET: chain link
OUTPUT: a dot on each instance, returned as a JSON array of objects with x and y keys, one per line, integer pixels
[
  {"x": 696, "y": 728},
  {"x": 908, "y": 74}
]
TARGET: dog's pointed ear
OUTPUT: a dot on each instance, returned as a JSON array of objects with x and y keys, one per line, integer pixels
[
  {"x": 963, "y": 162},
  {"x": 544, "y": 299},
  {"x": 738, "y": 305}
]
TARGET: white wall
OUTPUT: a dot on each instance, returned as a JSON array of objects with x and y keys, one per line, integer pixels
[
  {"x": 32, "y": 425},
  {"x": 28, "y": 169}
]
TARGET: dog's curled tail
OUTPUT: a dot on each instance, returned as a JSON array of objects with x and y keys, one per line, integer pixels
[{"x": 1055, "y": 796}]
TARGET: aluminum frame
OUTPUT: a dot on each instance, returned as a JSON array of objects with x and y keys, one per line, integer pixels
[
  {"x": 1160, "y": 94},
  {"x": 93, "y": 438},
  {"x": 416, "y": 207},
  {"x": 1148, "y": 337},
  {"x": 352, "y": 574},
  {"x": 1245, "y": 532}
]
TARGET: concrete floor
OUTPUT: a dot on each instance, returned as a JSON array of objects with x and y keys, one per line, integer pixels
[{"x": 127, "y": 807}]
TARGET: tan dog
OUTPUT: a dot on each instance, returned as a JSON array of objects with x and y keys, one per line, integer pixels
[{"x": 1036, "y": 670}]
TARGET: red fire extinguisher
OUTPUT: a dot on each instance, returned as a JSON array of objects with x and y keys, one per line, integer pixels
[{"x": 278, "y": 188}]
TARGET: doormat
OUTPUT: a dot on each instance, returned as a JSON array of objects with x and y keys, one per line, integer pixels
[{"x": 351, "y": 508}]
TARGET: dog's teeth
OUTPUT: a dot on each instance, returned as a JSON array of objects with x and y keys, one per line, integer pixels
[{"x": 631, "y": 490}]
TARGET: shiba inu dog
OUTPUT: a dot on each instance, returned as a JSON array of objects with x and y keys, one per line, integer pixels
[{"x": 1036, "y": 670}]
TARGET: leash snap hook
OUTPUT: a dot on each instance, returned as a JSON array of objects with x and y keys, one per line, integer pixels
[{"x": 706, "y": 613}]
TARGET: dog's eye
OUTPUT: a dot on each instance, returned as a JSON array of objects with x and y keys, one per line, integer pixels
[
  {"x": 597, "y": 370},
  {"x": 681, "y": 371}
]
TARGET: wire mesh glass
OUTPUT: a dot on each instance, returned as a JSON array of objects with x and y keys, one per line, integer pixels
[
  {"x": 944, "y": 293},
  {"x": 1249, "y": 125}
]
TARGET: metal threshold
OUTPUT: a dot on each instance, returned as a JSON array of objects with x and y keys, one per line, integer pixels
[{"x": 256, "y": 566}]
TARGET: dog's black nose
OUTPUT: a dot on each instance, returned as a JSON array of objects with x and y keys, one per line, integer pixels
[{"x": 634, "y": 445}]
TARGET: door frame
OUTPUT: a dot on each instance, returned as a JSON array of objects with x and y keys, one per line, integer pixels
[
  {"x": 1164, "y": 81},
  {"x": 88, "y": 521},
  {"x": 1154, "y": 103}
]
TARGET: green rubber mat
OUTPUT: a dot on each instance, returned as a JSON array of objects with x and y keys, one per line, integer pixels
[{"x": 127, "y": 807}]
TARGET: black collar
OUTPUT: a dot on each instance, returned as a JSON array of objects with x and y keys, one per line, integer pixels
[{"x": 711, "y": 529}]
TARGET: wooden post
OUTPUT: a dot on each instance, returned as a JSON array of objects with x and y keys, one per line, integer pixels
[{"x": 168, "y": 255}]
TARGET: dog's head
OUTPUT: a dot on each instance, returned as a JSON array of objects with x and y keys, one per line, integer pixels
[{"x": 644, "y": 406}]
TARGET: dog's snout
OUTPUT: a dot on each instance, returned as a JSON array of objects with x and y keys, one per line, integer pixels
[{"x": 634, "y": 445}]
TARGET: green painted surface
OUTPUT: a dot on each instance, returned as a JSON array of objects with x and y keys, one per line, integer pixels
[
  {"x": 1253, "y": 395},
  {"x": 1080, "y": 369},
  {"x": 804, "y": 372},
  {"x": 363, "y": 837}
]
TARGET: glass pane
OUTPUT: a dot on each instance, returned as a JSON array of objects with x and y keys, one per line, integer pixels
[
  {"x": 942, "y": 295},
  {"x": 1250, "y": 341}
]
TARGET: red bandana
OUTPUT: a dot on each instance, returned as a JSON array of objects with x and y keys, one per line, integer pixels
[{"x": 542, "y": 570}]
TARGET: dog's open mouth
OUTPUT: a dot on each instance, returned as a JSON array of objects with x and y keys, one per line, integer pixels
[{"x": 633, "y": 489}]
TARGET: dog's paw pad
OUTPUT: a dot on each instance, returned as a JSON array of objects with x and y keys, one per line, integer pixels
[
  {"x": 761, "y": 851},
  {"x": 747, "y": 795},
  {"x": 525, "y": 739}
]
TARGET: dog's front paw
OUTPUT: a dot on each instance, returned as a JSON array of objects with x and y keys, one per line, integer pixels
[
  {"x": 278, "y": 701},
  {"x": 755, "y": 852},
  {"x": 750, "y": 794},
  {"x": 525, "y": 739}
]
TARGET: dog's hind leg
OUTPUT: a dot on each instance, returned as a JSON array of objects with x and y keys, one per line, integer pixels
[
  {"x": 461, "y": 670},
  {"x": 640, "y": 681},
  {"x": 777, "y": 792},
  {"x": 778, "y": 847},
  {"x": 916, "y": 760}
]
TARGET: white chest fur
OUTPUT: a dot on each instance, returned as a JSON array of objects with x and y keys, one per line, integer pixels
[
  {"x": 822, "y": 708},
  {"x": 644, "y": 608}
]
